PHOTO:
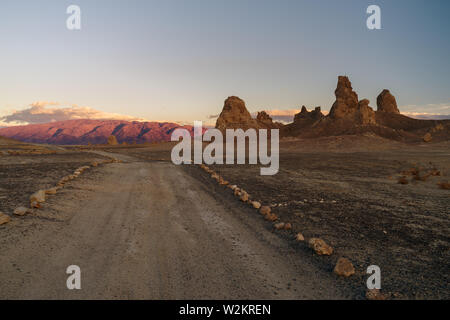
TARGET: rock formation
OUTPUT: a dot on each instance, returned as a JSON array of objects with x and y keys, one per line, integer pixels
[
  {"x": 348, "y": 116},
  {"x": 303, "y": 120},
  {"x": 365, "y": 114},
  {"x": 308, "y": 117},
  {"x": 347, "y": 106},
  {"x": 265, "y": 121},
  {"x": 346, "y": 103},
  {"x": 235, "y": 115},
  {"x": 386, "y": 102},
  {"x": 263, "y": 117}
]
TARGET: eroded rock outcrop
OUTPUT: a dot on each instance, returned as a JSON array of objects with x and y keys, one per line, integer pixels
[
  {"x": 263, "y": 117},
  {"x": 265, "y": 121},
  {"x": 348, "y": 107},
  {"x": 386, "y": 102},
  {"x": 365, "y": 114},
  {"x": 346, "y": 103},
  {"x": 235, "y": 115},
  {"x": 350, "y": 116},
  {"x": 303, "y": 120},
  {"x": 305, "y": 116}
]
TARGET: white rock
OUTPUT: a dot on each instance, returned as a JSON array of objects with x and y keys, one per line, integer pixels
[
  {"x": 256, "y": 204},
  {"x": 38, "y": 196},
  {"x": 244, "y": 196},
  {"x": 279, "y": 225},
  {"x": 299, "y": 237},
  {"x": 21, "y": 211}
]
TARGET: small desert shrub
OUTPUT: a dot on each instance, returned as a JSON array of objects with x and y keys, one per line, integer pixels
[
  {"x": 435, "y": 172},
  {"x": 438, "y": 127},
  {"x": 444, "y": 185},
  {"x": 418, "y": 177},
  {"x": 410, "y": 172},
  {"x": 418, "y": 174}
]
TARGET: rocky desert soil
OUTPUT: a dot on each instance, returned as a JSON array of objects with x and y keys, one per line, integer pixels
[
  {"x": 147, "y": 229},
  {"x": 351, "y": 197},
  {"x": 346, "y": 191}
]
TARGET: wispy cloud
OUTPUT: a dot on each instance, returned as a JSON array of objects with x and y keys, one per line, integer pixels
[
  {"x": 429, "y": 108},
  {"x": 45, "y": 111},
  {"x": 284, "y": 116},
  {"x": 430, "y": 111},
  {"x": 426, "y": 116},
  {"x": 44, "y": 103}
]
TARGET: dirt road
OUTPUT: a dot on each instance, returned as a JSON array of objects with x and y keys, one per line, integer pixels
[{"x": 149, "y": 230}]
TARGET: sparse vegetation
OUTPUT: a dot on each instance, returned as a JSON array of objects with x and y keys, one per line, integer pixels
[
  {"x": 345, "y": 198},
  {"x": 418, "y": 174},
  {"x": 444, "y": 185},
  {"x": 403, "y": 180},
  {"x": 112, "y": 140}
]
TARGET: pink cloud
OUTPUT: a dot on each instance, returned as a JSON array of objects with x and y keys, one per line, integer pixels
[{"x": 40, "y": 112}]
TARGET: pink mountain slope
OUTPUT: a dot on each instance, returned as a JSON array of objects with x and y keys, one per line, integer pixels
[{"x": 93, "y": 131}]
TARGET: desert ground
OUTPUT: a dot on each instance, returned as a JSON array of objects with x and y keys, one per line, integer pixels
[{"x": 144, "y": 228}]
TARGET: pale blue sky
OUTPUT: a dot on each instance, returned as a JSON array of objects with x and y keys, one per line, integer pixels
[{"x": 179, "y": 60}]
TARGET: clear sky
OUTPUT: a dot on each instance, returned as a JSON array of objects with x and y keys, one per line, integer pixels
[{"x": 179, "y": 60}]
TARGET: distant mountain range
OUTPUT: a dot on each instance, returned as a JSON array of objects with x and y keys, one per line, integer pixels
[{"x": 73, "y": 132}]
